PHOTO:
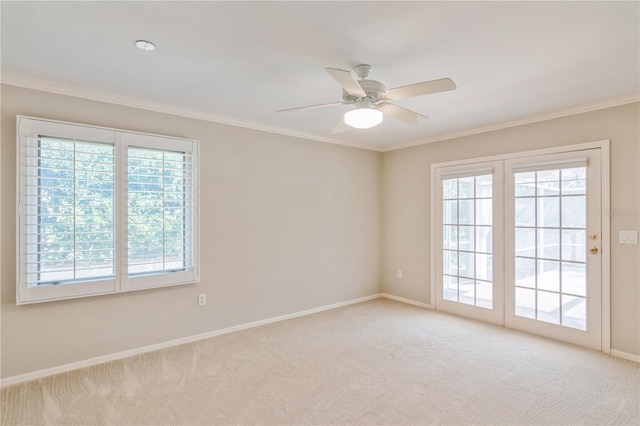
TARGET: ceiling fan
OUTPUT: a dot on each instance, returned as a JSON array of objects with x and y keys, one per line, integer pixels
[{"x": 372, "y": 99}]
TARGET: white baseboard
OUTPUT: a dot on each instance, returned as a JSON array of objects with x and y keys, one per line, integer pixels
[
  {"x": 150, "y": 348},
  {"x": 625, "y": 355},
  {"x": 408, "y": 301}
]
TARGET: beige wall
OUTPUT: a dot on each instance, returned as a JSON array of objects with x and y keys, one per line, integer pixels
[
  {"x": 406, "y": 203},
  {"x": 286, "y": 225}
]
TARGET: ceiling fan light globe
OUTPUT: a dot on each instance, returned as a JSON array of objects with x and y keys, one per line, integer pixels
[{"x": 363, "y": 118}]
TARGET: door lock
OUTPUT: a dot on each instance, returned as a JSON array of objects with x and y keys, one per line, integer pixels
[{"x": 593, "y": 250}]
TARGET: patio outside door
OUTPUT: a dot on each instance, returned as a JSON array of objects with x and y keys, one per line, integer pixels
[
  {"x": 518, "y": 242},
  {"x": 469, "y": 262},
  {"x": 553, "y": 246}
]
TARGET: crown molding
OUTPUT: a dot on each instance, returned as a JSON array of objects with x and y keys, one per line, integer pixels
[
  {"x": 559, "y": 113},
  {"x": 61, "y": 89},
  {"x": 94, "y": 95}
]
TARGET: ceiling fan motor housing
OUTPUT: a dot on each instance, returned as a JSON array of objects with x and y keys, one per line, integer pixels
[{"x": 374, "y": 90}]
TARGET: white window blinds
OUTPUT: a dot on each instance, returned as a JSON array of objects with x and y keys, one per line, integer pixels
[
  {"x": 103, "y": 211},
  {"x": 70, "y": 211},
  {"x": 568, "y": 163},
  {"x": 160, "y": 211}
]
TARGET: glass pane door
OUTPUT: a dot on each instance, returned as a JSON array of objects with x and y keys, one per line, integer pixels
[
  {"x": 467, "y": 240},
  {"x": 466, "y": 272},
  {"x": 550, "y": 246},
  {"x": 553, "y": 221}
]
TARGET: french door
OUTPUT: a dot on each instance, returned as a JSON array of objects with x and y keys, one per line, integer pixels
[
  {"x": 519, "y": 241},
  {"x": 470, "y": 264},
  {"x": 553, "y": 246}
]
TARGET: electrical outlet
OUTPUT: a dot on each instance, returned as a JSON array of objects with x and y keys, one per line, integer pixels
[
  {"x": 202, "y": 299},
  {"x": 399, "y": 273}
]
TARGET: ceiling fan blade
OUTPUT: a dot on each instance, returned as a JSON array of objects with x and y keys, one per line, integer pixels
[
  {"x": 419, "y": 89},
  {"x": 402, "y": 114},
  {"x": 311, "y": 107},
  {"x": 346, "y": 80},
  {"x": 340, "y": 127}
]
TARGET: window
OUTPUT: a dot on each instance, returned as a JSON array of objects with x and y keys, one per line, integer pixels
[{"x": 103, "y": 211}]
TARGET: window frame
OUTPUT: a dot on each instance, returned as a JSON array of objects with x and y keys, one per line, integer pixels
[{"x": 121, "y": 140}]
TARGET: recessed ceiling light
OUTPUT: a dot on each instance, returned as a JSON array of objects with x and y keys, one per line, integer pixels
[{"x": 145, "y": 45}]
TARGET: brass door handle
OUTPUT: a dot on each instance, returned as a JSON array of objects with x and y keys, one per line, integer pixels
[{"x": 593, "y": 250}]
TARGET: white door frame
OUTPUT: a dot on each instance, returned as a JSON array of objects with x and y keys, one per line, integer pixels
[{"x": 603, "y": 145}]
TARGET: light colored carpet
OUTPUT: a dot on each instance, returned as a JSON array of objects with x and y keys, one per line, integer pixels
[{"x": 379, "y": 362}]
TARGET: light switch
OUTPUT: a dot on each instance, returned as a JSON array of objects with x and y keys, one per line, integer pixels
[{"x": 628, "y": 237}]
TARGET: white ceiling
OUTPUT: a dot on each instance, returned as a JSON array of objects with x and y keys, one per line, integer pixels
[{"x": 239, "y": 62}]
